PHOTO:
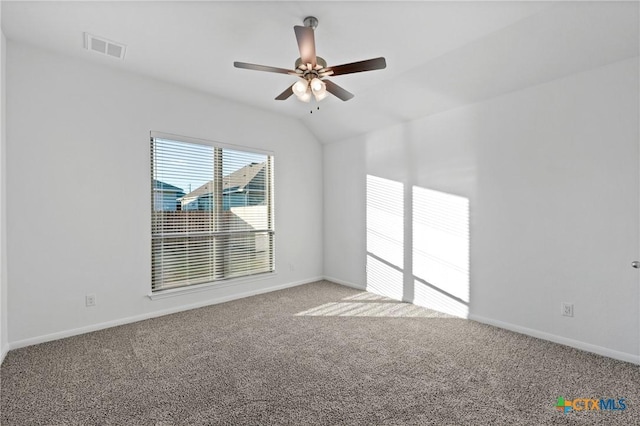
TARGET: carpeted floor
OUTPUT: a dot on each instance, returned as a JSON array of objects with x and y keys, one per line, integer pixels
[{"x": 315, "y": 354}]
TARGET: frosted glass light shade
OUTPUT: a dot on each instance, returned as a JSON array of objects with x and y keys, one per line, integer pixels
[
  {"x": 306, "y": 96},
  {"x": 316, "y": 85},
  {"x": 320, "y": 96},
  {"x": 319, "y": 89},
  {"x": 300, "y": 87}
]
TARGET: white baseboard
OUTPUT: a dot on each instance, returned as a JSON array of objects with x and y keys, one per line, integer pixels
[
  {"x": 3, "y": 353},
  {"x": 121, "y": 321},
  {"x": 621, "y": 356},
  {"x": 345, "y": 283}
]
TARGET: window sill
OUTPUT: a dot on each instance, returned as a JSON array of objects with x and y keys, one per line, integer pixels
[{"x": 197, "y": 288}]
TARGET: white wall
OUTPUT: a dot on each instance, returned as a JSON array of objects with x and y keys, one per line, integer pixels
[
  {"x": 78, "y": 191},
  {"x": 551, "y": 177},
  {"x": 4, "y": 345}
]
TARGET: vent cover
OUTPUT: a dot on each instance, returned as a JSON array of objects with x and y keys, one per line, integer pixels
[{"x": 104, "y": 46}]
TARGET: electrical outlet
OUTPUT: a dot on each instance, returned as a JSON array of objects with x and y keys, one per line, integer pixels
[
  {"x": 90, "y": 300},
  {"x": 566, "y": 309},
  {"x": 291, "y": 267}
]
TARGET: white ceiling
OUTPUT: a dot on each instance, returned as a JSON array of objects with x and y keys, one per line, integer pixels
[{"x": 440, "y": 55}]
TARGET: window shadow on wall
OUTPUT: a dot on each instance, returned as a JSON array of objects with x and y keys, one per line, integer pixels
[
  {"x": 418, "y": 246},
  {"x": 385, "y": 237},
  {"x": 440, "y": 251}
]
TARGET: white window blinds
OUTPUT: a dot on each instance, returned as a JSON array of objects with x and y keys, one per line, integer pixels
[{"x": 212, "y": 213}]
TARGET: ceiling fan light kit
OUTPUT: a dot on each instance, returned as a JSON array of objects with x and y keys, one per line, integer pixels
[{"x": 312, "y": 70}]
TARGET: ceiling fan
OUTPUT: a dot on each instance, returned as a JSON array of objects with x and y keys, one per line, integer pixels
[{"x": 312, "y": 70}]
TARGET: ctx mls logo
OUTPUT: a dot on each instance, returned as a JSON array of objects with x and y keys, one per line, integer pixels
[{"x": 591, "y": 404}]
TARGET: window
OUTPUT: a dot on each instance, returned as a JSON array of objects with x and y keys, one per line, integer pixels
[{"x": 211, "y": 212}]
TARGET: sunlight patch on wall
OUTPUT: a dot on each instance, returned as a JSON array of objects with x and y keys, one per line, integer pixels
[
  {"x": 441, "y": 251},
  {"x": 429, "y": 297},
  {"x": 385, "y": 236},
  {"x": 384, "y": 279}
]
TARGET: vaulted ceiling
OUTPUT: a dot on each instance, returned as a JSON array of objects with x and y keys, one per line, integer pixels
[{"x": 440, "y": 55}]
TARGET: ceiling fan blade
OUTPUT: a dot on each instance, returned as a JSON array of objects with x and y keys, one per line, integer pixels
[
  {"x": 263, "y": 68},
  {"x": 337, "y": 90},
  {"x": 285, "y": 95},
  {"x": 368, "y": 65},
  {"x": 306, "y": 44}
]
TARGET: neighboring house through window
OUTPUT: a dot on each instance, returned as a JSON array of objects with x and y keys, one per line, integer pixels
[
  {"x": 212, "y": 212},
  {"x": 166, "y": 197},
  {"x": 244, "y": 187}
]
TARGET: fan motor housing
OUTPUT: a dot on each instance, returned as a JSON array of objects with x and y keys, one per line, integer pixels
[{"x": 320, "y": 61}]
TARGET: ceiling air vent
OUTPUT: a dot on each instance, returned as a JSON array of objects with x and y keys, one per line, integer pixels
[{"x": 104, "y": 46}]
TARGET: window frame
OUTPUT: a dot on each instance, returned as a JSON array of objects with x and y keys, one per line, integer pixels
[{"x": 158, "y": 293}]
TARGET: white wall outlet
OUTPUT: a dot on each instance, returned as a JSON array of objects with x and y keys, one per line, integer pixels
[
  {"x": 291, "y": 267},
  {"x": 90, "y": 300},
  {"x": 566, "y": 309}
]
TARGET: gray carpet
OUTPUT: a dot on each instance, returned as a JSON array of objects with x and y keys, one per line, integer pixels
[{"x": 315, "y": 354}]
